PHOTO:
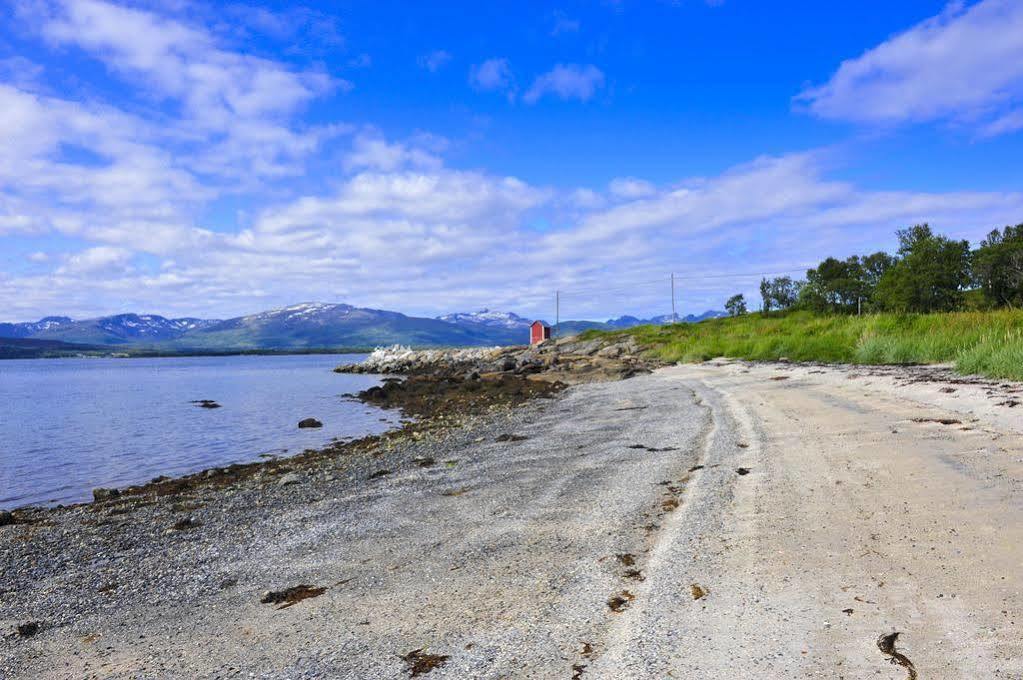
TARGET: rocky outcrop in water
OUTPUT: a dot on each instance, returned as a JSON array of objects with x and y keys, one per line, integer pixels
[{"x": 568, "y": 360}]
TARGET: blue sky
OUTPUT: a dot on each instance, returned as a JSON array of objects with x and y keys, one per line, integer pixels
[{"x": 218, "y": 158}]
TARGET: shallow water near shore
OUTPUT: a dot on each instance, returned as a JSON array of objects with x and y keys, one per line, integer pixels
[{"x": 70, "y": 425}]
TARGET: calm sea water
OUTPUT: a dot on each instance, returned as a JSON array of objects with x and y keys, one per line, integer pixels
[{"x": 69, "y": 425}]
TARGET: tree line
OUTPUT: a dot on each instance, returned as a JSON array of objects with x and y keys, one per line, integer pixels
[{"x": 929, "y": 273}]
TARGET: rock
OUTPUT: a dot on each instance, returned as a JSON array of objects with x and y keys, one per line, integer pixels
[
  {"x": 611, "y": 352},
  {"x": 6, "y": 518},
  {"x": 310, "y": 422},
  {"x": 28, "y": 629},
  {"x": 100, "y": 494},
  {"x": 290, "y": 478}
]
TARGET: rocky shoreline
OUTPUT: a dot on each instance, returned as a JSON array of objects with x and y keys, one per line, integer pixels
[
  {"x": 66, "y": 566},
  {"x": 568, "y": 360}
]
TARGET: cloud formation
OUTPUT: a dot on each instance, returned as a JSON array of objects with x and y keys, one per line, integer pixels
[
  {"x": 117, "y": 203},
  {"x": 492, "y": 75},
  {"x": 435, "y": 60},
  {"x": 964, "y": 66},
  {"x": 567, "y": 81}
]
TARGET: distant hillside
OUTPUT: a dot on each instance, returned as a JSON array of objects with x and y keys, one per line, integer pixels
[{"x": 28, "y": 348}]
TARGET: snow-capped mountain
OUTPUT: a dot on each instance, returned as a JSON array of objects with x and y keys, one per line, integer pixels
[
  {"x": 150, "y": 326},
  {"x": 106, "y": 330},
  {"x": 320, "y": 324},
  {"x": 27, "y": 330},
  {"x": 487, "y": 317}
]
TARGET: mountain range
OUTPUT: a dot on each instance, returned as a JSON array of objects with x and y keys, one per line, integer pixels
[{"x": 306, "y": 326}]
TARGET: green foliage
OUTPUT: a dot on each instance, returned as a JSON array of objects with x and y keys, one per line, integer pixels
[
  {"x": 841, "y": 286},
  {"x": 998, "y": 267},
  {"x": 736, "y": 305},
  {"x": 779, "y": 293},
  {"x": 834, "y": 286},
  {"x": 930, "y": 276},
  {"x": 989, "y": 343}
]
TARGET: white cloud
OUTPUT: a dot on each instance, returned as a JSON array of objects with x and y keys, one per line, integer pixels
[
  {"x": 435, "y": 60},
  {"x": 178, "y": 61},
  {"x": 630, "y": 187},
  {"x": 236, "y": 104},
  {"x": 373, "y": 151},
  {"x": 95, "y": 260},
  {"x": 1010, "y": 122},
  {"x": 492, "y": 74},
  {"x": 430, "y": 239},
  {"x": 20, "y": 71},
  {"x": 567, "y": 81},
  {"x": 964, "y": 66}
]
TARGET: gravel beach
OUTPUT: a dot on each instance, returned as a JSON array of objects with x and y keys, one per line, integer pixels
[{"x": 711, "y": 521}]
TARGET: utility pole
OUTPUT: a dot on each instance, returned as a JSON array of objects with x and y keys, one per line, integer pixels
[
  {"x": 557, "y": 311},
  {"x": 674, "y": 316}
]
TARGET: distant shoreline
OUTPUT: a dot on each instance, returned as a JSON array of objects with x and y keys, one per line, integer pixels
[{"x": 110, "y": 353}]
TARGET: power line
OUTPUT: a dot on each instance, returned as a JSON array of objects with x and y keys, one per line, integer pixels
[{"x": 693, "y": 277}]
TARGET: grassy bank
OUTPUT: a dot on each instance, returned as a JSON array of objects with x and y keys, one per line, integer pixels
[{"x": 986, "y": 343}]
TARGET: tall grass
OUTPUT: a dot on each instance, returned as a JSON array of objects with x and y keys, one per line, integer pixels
[{"x": 986, "y": 343}]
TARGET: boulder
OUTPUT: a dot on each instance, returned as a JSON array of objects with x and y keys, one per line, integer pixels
[
  {"x": 100, "y": 494},
  {"x": 6, "y": 518},
  {"x": 309, "y": 422},
  {"x": 611, "y": 352}
]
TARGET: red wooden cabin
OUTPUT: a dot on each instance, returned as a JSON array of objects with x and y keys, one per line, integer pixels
[{"x": 538, "y": 332}]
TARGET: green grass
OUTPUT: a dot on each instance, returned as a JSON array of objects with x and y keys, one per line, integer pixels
[{"x": 986, "y": 343}]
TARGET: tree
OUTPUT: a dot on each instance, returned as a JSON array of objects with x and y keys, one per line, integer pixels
[
  {"x": 840, "y": 285},
  {"x": 765, "y": 293},
  {"x": 874, "y": 266},
  {"x": 930, "y": 275},
  {"x": 834, "y": 286},
  {"x": 736, "y": 305},
  {"x": 998, "y": 266},
  {"x": 779, "y": 293}
]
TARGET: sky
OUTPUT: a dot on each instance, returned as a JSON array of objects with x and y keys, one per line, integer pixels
[{"x": 216, "y": 159}]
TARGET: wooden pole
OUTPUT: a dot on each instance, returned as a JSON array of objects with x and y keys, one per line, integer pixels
[{"x": 674, "y": 316}]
